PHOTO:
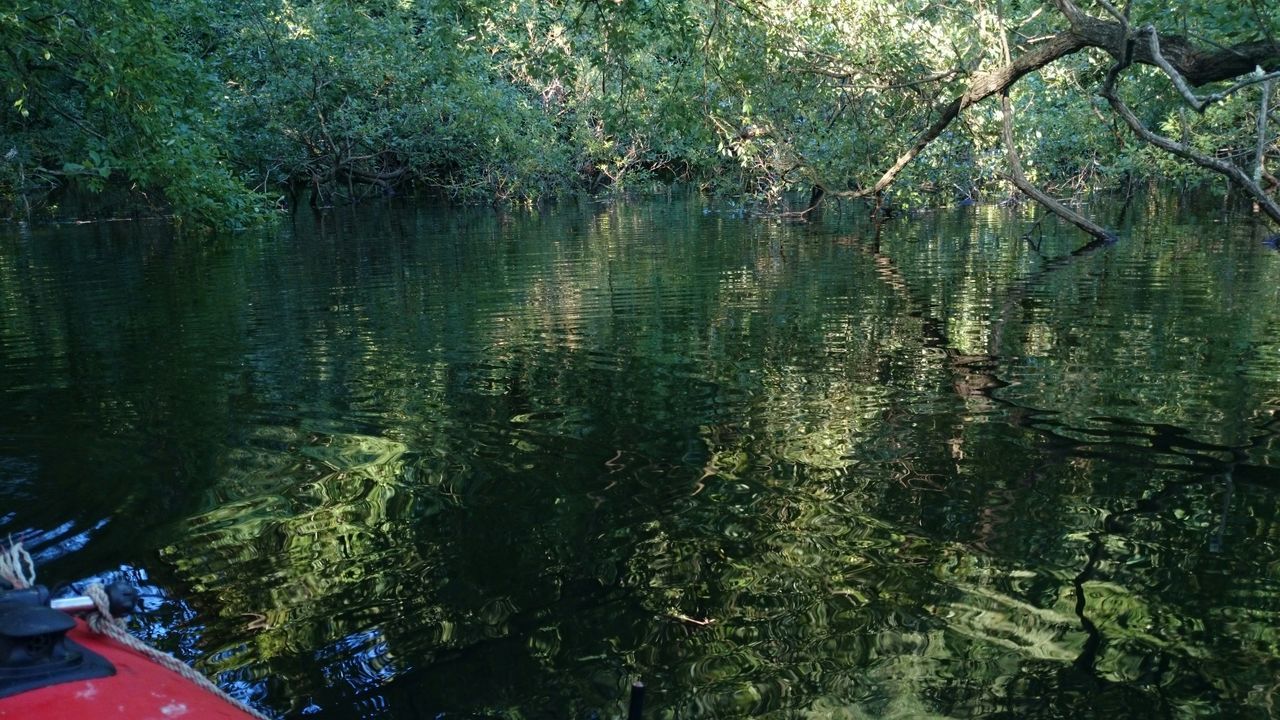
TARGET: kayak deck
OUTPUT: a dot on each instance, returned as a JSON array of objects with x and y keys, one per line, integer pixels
[{"x": 139, "y": 690}]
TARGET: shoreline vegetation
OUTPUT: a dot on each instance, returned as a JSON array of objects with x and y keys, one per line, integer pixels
[{"x": 221, "y": 116}]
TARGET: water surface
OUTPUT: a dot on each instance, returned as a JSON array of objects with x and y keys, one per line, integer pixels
[{"x": 421, "y": 463}]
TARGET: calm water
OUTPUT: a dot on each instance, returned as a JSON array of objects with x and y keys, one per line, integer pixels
[{"x": 458, "y": 464}]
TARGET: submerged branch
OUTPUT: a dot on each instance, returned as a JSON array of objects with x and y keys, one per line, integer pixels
[{"x": 1019, "y": 179}]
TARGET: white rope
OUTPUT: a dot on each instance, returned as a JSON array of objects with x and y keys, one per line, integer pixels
[
  {"x": 17, "y": 569},
  {"x": 101, "y": 621}
]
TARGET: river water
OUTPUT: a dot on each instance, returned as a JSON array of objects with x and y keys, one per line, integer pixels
[{"x": 434, "y": 463}]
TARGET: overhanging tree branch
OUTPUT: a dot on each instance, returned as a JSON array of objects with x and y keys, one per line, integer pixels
[
  {"x": 980, "y": 88},
  {"x": 1199, "y": 65},
  {"x": 1197, "y": 103},
  {"x": 1260, "y": 154},
  {"x": 1177, "y": 56},
  {"x": 1232, "y": 172},
  {"x": 1019, "y": 179}
]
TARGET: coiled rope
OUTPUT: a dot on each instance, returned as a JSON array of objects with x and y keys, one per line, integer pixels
[{"x": 17, "y": 569}]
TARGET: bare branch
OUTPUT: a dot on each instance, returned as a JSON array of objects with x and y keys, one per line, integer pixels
[
  {"x": 980, "y": 88},
  {"x": 1019, "y": 178},
  {"x": 1176, "y": 56},
  {"x": 1264, "y": 109},
  {"x": 1179, "y": 82},
  {"x": 1230, "y": 171},
  {"x": 1257, "y": 78},
  {"x": 1073, "y": 13},
  {"x": 1198, "y": 65},
  {"x": 1123, "y": 18}
]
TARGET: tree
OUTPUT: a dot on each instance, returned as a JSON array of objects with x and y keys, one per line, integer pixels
[
  {"x": 1252, "y": 59},
  {"x": 105, "y": 93},
  {"x": 189, "y": 105}
]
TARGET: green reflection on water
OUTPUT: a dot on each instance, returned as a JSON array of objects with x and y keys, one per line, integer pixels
[{"x": 421, "y": 461}]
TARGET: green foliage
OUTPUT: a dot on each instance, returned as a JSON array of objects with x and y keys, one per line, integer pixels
[
  {"x": 335, "y": 96},
  {"x": 101, "y": 94},
  {"x": 1246, "y": 21},
  {"x": 211, "y": 110}
]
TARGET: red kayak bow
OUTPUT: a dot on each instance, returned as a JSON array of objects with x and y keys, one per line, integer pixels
[{"x": 52, "y": 667}]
